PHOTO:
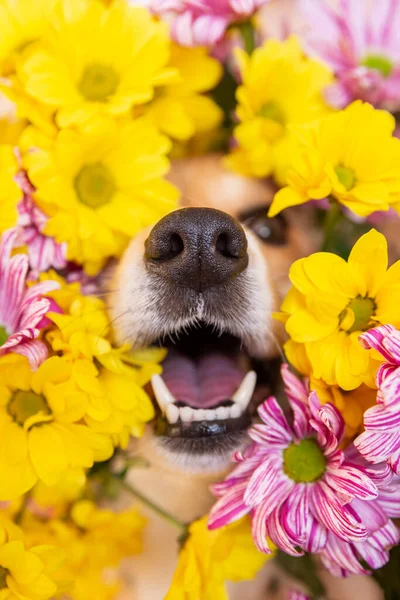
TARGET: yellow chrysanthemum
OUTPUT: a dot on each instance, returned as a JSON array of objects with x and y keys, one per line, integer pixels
[
  {"x": 209, "y": 558},
  {"x": 21, "y": 23},
  {"x": 117, "y": 403},
  {"x": 352, "y": 404},
  {"x": 10, "y": 194},
  {"x": 281, "y": 88},
  {"x": 26, "y": 572},
  {"x": 39, "y": 424},
  {"x": 179, "y": 109},
  {"x": 121, "y": 57},
  {"x": 102, "y": 186},
  {"x": 350, "y": 156},
  {"x": 333, "y": 301},
  {"x": 54, "y": 501},
  {"x": 94, "y": 541}
]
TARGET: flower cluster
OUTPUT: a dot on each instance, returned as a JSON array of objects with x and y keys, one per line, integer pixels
[
  {"x": 307, "y": 494},
  {"x": 83, "y": 111},
  {"x": 204, "y": 22}
]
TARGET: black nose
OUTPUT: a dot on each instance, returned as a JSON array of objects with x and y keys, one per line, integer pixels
[{"x": 197, "y": 248}]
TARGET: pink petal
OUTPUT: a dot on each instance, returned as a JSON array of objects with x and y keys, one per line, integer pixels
[
  {"x": 340, "y": 559},
  {"x": 374, "y": 339},
  {"x": 337, "y": 518},
  {"x": 229, "y": 508},
  {"x": 295, "y": 512},
  {"x": 12, "y": 290},
  {"x": 262, "y": 483},
  {"x": 332, "y": 418},
  {"x": 351, "y": 480},
  {"x": 272, "y": 415},
  {"x": 317, "y": 537},
  {"x": 294, "y": 387},
  {"x": 381, "y": 418},
  {"x": 280, "y": 535},
  {"x": 301, "y": 418},
  {"x": 263, "y": 510},
  {"x": 377, "y": 447},
  {"x": 35, "y": 351}
]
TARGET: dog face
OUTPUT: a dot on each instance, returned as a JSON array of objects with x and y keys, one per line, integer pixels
[{"x": 204, "y": 282}]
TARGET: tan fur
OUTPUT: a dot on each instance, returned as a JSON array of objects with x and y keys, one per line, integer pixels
[{"x": 183, "y": 493}]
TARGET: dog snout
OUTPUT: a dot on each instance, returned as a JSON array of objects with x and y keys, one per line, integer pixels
[{"x": 197, "y": 248}]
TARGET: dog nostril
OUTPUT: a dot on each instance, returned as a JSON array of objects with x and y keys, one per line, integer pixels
[
  {"x": 177, "y": 247},
  {"x": 162, "y": 248},
  {"x": 230, "y": 246}
]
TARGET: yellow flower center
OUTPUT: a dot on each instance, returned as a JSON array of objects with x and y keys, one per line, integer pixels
[
  {"x": 378, "y": 62},
  {"x": 357, "y": 314},
  {"x": 271, "y": 111},
  {"x": 94, "y": 185},
  {"x": 3, "y": 575},
  {"x": 304, "y": 462},
  {"x": 346, "y": 177},
  {"x": 98, "y": 83},
  {"x": 24, "y": 405},
  {"x": 3, "y": 335}
]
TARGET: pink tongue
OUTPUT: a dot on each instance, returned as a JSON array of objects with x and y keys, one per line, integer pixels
[{"x": 204, "y": 382}]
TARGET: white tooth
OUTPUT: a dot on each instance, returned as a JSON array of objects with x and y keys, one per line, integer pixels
[
  {"x": 172, "y": 413},
  {"x": 161, "y": 392},
  {"x": 243, "y": 394},
  {"x": 199, "y": 414},
  {"x": 210, "y": 415},
  {"x": 235, "y": 411},
  {"x": 222, "y": 412},
  {"x": 186, "y": 413}
]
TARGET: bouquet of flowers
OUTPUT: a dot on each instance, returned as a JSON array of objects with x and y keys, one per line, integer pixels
[{"x": 97, "y": 97}]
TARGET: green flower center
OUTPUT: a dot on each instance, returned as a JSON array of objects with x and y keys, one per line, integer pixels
[
  {"x": 346, "y": 177},
  {"x": 3, "y": 575},
  {"x": 94, "y": 185},
  {"x": 378, "y": 62},
  {"x": 363, "y": 309},
  {"x": 98, "y": 83},
  {"x": 24, "y": 405},
  {"x": 304, "y": 462},
  {"x": 271, "y": 111},
  {"x": 3, "y": 335}
]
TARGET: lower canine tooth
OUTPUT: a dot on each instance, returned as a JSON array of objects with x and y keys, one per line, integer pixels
[
  {"x": 235, "y": 411},
  {"x": 243, "y": 394},
  {"x": 172, "y": 413},
  {"x": 161, "y": 392}
]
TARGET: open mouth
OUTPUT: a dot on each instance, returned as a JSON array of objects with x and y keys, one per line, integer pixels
[{"x": 209, "y": 390}]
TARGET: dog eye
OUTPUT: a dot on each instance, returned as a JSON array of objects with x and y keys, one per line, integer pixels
[{"x": 270, "y": 230}]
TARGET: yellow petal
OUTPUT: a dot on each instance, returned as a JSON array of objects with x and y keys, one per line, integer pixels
[
  {"x": 369, "y": 257},
  {"x": 47, "y": 453},
  {"x": 286, "y": 197}
]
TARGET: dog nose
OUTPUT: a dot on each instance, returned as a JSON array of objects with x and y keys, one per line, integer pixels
[{"x": 197, "y": 248}]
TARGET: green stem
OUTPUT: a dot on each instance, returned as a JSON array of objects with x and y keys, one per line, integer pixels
[
  {"x": 247, "y": 31},
  {"x": 20, "y": 512},
  {"x": 154, "y": 507},
  {"x": 332, "y": 218}
]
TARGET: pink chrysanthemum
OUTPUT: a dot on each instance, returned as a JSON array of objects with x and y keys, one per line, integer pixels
[
  {"x": 381, "y": 438},
  {"x": 360, "y": 42},
  {"x": 297, "y": 595},
  {"x": 43, "y": 251},
  {"x": 22, "y": 309},
  {"x": 299, "y": 487},
  {"x": 204, "y": 22}
]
